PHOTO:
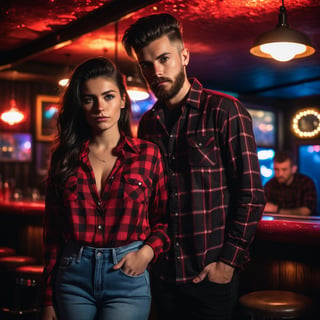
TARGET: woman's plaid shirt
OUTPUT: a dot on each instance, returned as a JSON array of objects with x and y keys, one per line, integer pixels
[
  {"x": 215, "y": 192},
  {"x": 133, "y": 205}
]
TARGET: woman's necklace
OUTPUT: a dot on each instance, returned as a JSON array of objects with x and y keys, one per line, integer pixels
[
  {"x": 103, "y": 156},
  {"x": 101, "y": 160}
]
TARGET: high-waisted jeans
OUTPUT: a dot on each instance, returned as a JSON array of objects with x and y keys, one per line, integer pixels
[{"x": 87, "y": 287}]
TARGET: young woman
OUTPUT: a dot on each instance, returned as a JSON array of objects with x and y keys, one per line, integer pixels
[{"x": 105, "y": 216}]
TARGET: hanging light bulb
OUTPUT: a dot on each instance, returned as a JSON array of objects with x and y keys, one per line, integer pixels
[
  {"x": 136, "y": 90},
  {"x": 137, "y": 94},
  {"x": 64, "y": 81},
  {"x": 282, "y": 43},
  {"x": 13, "y": 115},
  {"x": 283, "y": 51}
]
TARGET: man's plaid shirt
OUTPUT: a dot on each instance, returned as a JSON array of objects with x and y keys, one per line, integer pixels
[{"x": 215, "y": 192}]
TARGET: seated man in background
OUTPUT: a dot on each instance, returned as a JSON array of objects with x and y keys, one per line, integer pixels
[{"x": 289, "y": 192}]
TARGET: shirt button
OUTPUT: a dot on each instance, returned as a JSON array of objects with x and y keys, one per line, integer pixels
[
  {"x": 99, "y": 203},
  {"x": 140, "y": 183},
  {"x": 173, "y": 174},
  {"x": 112, "y": 177},
  {"x": 177, "y": 244},
  {"x": 200, "y": 144},
  {"x": 99, "y": 227}
]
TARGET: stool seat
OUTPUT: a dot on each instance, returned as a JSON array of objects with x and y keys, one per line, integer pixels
[
  {"x": 5, "y": 251},
  {"x": 11, "y": 262},
  {"x": 28, "y": 294},
  {"x": 29, "y": 288},
  {"x": 275, "y": 303},
  {"x": 30, "y": 269},
  {"x": 8, "y": 267},
  {"x": 29, "y": 275}
]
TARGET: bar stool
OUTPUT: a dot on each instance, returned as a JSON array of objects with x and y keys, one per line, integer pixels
[
  {"x": 6, "y": 251},
  {"x": 28, "y": 293},
  {"x": 275, "y": 304},
  {"x": 8, "y": 266}
]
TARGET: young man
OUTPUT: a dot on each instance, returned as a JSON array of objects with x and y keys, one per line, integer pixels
[
  {"x": 289, "y": 192},
  {"x": 216, "y": 196}
]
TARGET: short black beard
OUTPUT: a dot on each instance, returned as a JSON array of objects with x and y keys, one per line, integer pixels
[{"x": 164, "y": 95}]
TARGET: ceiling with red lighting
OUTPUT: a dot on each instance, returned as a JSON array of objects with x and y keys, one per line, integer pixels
[{"x": 43, "y": 40}]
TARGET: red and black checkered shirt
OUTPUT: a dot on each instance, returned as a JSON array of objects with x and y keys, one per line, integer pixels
[
  {"x": 133, "y": 205},
  {"x": 300, "y": 193},
  {"x": 215, "y": 192}
]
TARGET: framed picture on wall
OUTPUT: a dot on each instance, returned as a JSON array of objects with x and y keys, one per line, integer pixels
[{"x": 47, "y": 108}]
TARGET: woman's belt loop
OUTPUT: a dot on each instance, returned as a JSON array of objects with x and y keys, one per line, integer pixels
[{"x": 79, "y": 254}]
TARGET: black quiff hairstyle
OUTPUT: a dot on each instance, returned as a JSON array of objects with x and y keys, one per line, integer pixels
[{"x": 150, "y": 28}]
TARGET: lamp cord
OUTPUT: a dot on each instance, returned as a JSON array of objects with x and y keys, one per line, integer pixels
[
  {"x": 116, "y": 43},
  {"x": 283, "y": 16}
]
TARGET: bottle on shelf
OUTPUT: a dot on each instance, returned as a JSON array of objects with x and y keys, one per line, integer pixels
[
  {"x": 1, "y": 188},
  {"x": 6, "y": 191}
]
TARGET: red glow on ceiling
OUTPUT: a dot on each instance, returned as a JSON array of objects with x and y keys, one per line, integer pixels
[{"x": 224, "y": 9}]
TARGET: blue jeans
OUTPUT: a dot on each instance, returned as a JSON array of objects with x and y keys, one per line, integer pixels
[{"x": 87, "y": 287}]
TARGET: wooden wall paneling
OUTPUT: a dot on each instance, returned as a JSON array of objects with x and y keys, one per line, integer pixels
[
  {"x": 31, "y": 241},
  {"x": 304, "y": 277},
  {"x": 288, "y": 275}
]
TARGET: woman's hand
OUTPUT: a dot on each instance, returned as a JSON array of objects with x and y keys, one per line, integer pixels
[
  {"x": 135, "y": 263},
  {"x": 49, "y": 313}
]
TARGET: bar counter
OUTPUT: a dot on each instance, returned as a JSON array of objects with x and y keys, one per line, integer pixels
[
  {"x": 295, "y": 230},
  {"x": 28, "y": 207},
  {"x": 300, "y": 230}
]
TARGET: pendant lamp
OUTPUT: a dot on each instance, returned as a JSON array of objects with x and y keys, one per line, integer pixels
[
  {"x": 136, "y": 88},
  {"x": 282, "y": 43},
  {"x": 64, "y": 81},
  {"x": 13, "y": 115}
]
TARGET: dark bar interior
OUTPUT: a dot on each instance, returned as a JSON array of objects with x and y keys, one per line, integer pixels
[{"x": 283, "y": 99}]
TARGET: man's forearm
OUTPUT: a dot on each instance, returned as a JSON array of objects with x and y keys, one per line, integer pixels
[{"x": 301, "y": 211}]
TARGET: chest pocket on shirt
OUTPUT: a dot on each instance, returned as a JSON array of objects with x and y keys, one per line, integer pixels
[
  {"x": 201, "y": 151},
  {"x": 135, "y": 188}
]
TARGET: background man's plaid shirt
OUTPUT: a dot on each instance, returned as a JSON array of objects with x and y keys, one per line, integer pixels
[{"x": 300, "y": 193}]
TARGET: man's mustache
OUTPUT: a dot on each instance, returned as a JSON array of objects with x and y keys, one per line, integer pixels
[{"x": 156, "y": 81}]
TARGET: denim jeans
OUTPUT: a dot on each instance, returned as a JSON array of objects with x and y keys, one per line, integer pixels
[{"x": 87, "y": 287}]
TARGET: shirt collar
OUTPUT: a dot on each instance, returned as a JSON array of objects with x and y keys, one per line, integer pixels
[
  {"x": 193, "y": 96},
  {"x": 126, "y": 144}
]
